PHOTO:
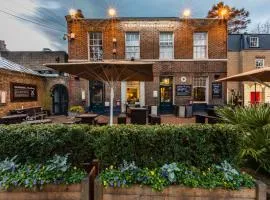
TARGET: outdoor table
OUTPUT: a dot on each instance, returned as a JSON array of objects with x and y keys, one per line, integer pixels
[
  {"x": 44, "y": 121},
  {"x": 87, "y": 118},
  {"x": 138, "y": 116},
  {"x": 13, "y": 119}
]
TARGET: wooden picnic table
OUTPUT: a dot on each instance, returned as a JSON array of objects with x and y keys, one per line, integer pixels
[
  {"x": 13, "y": 119},
  {"x": 87, "y": 118}
]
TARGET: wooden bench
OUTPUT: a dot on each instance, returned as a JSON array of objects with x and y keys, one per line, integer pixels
[
  {"x": 154, "y": 119},
  {"x": 201, "y": 119}
]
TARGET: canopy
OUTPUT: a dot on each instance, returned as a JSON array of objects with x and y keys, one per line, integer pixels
[
  {"x": 257, "y": 75},
  {"x": 109, "y": 72}
]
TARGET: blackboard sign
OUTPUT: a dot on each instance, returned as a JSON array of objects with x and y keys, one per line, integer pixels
[
  {"x": 23, "y": 92},
  {"x": 217, "y": 90},
  {"x": 183, "y": 90}
]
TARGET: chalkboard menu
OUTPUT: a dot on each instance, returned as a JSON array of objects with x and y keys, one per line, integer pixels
[
  {"x": 23, "y": 92},
  {"x": 217, "y": 90},
  {"x": 183, "y": 90}
]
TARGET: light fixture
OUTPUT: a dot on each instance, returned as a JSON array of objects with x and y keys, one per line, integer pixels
[
  {"x": 72, "y": 12},
  {"x": 112, "y": 12},
  {"x": 114, "y": 40},
  {"x": 187, "y": 13},
  {"x": 223, "y": 12}
]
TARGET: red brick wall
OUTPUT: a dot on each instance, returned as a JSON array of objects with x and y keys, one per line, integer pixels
[
  {"x": 149, "y": 37},
  {"x": 6, "y": 77}
]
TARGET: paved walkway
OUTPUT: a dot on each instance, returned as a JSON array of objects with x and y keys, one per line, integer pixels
[{"x": 165, "y": 119}]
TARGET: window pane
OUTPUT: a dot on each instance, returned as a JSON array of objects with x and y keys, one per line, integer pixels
[
  {"x": 166, "y": 45},
  {"x": 95, "y": 48},
  {"x": 132, "y": 45},
  {"x": 199, "y": 94}
]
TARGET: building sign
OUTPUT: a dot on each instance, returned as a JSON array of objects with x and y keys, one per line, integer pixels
[
  {"x": 149, "y": 24},
  {"x": 183, "y": 90},
  {"x": 217, "y": 90},
  {"x": 23, "y": 92}
]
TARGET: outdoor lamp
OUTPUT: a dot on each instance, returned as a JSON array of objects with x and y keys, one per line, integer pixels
[
  {"x": 112, "y": 12},
  {"x": 187, "y": 13},
  {"x": 223, "y": 12},
  {"x": 72, "y": 12}
]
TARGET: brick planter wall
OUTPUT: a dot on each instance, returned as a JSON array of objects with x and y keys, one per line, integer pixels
[
  {"x": 49, "y": 192},
  {"x": 178, "y": 193}
]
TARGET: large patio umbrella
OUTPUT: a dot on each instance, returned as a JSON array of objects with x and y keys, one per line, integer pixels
[
  {"x": 257, "y": 75},
  {"x": 108, "y": 72}
]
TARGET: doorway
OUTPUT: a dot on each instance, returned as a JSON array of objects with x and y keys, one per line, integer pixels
[
  {"x": 60, "y": 100},
  {"x": 166, "y": 95},
  {"x": 96, "y": 96}
]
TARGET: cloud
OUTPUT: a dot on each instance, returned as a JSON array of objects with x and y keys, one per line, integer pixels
[{"x": 52, "y": 12}]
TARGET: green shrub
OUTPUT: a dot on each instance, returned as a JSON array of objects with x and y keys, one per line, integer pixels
[
  {"x": 35, "y": 175},
  {"x": 152, "y": 146},
  {"x": 216, "y": 176},
  {"x": 254, "y": 122},
  {"x": 41, "y": 142},
  {"x": 76, "y": 109},
  {"x": 148, "y": 146}
]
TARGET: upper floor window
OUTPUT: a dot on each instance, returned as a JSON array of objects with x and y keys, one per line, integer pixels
[
  {"x": 254, "y": 42},
  {"x": 200, "y": 46},
  {"x": 95, "y": 46},
  {"x": 166, "y": 45},
  {"x": 259, "y": 62},
  {"x": 132, "y": 45}
]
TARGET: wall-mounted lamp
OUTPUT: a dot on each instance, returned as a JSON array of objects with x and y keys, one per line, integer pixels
[{"x": 70, "y": 36}]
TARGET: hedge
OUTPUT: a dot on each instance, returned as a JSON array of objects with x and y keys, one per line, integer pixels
[{"x": 148, "y": 146}]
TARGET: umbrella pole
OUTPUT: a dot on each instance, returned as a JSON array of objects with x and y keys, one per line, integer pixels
[{"x": 111, "y": 105}]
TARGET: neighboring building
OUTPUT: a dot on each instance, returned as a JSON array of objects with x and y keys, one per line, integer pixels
[
  {"x": 3, "y": 46},
  {"x": 61, "y": 90},
  {"x": 248, "y": 52},
  {"x": 189, "y": 54},
  {"x": 16, "y": 82}
]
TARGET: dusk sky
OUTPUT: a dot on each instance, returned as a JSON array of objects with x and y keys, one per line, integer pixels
[{"x": 23, "y": 35}]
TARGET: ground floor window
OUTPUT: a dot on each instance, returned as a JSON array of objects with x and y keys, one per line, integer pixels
[
  {"x": 133, "y": 92},
  {"x": 200, "y": 89}
]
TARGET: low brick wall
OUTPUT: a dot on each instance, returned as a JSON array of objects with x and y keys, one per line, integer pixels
[
  {"x": 49, "y": 192},
  {"x": 178, "y": 193}
]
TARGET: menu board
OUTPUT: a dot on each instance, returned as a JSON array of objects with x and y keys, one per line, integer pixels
[
  {"x": 23, "y": 92},
  {"x": 183, "y": 90},
  {"x": 217, "y": 90}
]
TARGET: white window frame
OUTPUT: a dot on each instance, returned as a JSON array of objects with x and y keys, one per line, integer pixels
[
  {"x": 206, "y": 86},
  {"x": 254, "y": 42},
  {"x": 206, "y": 46},
  {"x": 257, "y": 60},
  {"x": 172, "y": 46},
  {"x": 139, "y": 53},
  {"x": 89, "y": 46}
]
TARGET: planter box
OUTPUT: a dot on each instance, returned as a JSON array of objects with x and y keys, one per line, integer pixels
[
  {"x": 178, "y": 193},
  {"x": 49, "y": 192}
]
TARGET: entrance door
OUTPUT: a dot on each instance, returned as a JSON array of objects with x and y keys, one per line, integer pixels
[
  {"x": 60, "y": 100},
  {"x": 166, "y": 95},
  {"x": 255, "y": 97},
  {"x": 96, "y": 96}
]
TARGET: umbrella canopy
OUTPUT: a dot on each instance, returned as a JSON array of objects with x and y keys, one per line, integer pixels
[
  {"x": 108, "y": 70},
  {"x": 257, "y": 75}
]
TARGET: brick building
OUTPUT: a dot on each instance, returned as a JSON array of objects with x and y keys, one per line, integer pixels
[
  {"x": 11, "y": 74},
  {"x": 248, "y": 52},
  {"x": 60, "y": 90},
  {"x": 189, "y": 54}
]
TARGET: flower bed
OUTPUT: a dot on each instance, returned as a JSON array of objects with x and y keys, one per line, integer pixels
[
  {"x": 54, "y": 179},
  {"x": 176, "y": 181}
]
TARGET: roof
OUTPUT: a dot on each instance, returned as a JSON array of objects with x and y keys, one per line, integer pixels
[
  {"x": 9, "y": 65},
  {"x": 239, "y": 42}
]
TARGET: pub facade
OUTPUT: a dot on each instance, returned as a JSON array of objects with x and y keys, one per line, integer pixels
[{"x": 188, "y": 56}]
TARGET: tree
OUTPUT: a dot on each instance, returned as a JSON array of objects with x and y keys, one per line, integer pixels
[
  {"x": 238, "y": 19},
  {"x": 262, "y": 28}
]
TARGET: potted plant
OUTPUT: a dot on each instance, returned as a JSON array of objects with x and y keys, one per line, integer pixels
[{"x": 75, "y": 111}]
